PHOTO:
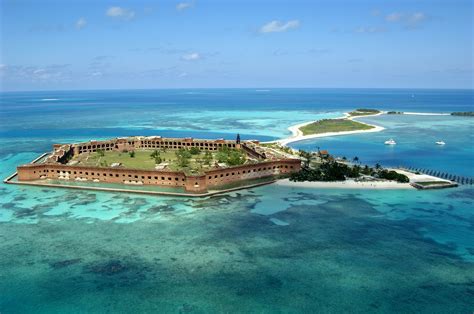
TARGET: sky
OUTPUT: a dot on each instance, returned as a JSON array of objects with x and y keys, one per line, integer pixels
[{"x": 102, "y": 44}]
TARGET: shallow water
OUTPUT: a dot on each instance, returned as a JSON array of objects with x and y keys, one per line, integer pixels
[
  {"x": 268, "y": 249},
  {"x": 353, "y": 251},
  {"x": 416, "y": 147}
]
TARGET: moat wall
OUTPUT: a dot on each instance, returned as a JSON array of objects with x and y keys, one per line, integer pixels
[{"x": 191, "y": 183}]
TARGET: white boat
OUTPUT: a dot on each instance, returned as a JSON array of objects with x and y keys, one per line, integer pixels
[
  {"x": 390, "y": 142},
  {"x": 440, "y": 143}
]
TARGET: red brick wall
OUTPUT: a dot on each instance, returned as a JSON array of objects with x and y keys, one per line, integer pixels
[{"x": 161, "y": 178}]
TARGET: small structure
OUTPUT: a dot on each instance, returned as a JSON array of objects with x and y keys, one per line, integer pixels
[{"x": 323, "y": 153}]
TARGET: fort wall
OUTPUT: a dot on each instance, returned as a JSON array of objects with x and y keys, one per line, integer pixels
[
  {"x": 152, "y": 142},
  {"x": 55, "y": 166},
  {"x": 192, "y": 183}
]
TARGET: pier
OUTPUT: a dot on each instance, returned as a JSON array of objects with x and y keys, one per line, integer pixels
[{"x": 460, "y": 180}]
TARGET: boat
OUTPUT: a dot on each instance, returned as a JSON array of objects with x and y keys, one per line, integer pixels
[
  {"x": 390, "y": 142},
  {"x": 440, "y": 143}
]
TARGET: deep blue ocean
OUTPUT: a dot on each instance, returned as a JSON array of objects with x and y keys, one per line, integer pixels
[{"x": 272, "y": 249}]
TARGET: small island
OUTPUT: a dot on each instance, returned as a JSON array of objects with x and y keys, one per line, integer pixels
[
  {"x": 463, "y": 114},
  {"x": 334, "y": 125},
  {"x": 330, "y": 127},
  {"x": 364, "y": 112},
  {"x": 346, "y": 124}
]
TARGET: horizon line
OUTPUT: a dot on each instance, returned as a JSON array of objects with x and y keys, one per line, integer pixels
[{"x": 222, "y": 88}]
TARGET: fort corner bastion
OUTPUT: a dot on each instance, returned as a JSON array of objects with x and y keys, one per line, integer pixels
[{"x": 129, "y": 161}]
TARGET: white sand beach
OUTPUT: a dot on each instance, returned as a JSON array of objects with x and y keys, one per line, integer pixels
[
  {"x": 348, "y": 184},
  {"x": 351, "y": 184},
  {"x": 418, "y": 177},
  {"x": 426, "y": 114},
  {"x": 297, "y": 134}
]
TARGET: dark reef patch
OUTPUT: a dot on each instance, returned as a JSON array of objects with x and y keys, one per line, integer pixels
[
  {"x": 108, "y": 268},
  {"x": 65, "y": 263},
  {"x": 19, "y": 198},
  {"x": 463, "y": 193},
  {"x": 160, "y": 209}
]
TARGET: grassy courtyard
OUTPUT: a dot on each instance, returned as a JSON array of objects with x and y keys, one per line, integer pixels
[
  {"x": 333, "y": 125},
  {"x": 148, "y": 159}
]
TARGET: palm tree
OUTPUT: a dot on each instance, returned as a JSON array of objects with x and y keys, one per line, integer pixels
[
  {"x": 355, "y": 159},
  {"x": 377, "y": 166},
  {"x": 306, "y": 157}
]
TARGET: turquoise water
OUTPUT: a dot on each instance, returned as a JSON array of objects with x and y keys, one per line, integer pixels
[
  {"x": 265, "y": 250},
  {"x": 415, "y": 137}
]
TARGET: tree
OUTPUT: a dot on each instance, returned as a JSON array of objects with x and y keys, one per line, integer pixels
[
  {"x": 194, "y": 150},
  {"x": 207, "y": 158},
  {"x": 222, "y": 154},
  {"x": 158, "y": 160},
  {"x": 183, "y": 156},
  {"x": 354, "y": 172},
  {"x": 132, "y": 154},
  {"x": 366, "y": 170},
  {"x": 101, "y": 152},
  {"x": 355, "y": 159},
  {"x": 155, "y": 154},
  {"x": 199, "y": 161},
  {"x": 393, "y": 175},
  {"x": 378, "y": 166},
  {"x": 232, "y": 157},
  {"x": 306, "y": 157},
  {"x": 235, "y": 157}
]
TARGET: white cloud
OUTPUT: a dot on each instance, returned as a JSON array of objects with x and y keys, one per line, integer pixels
[
  {"x": 118, "y": 12},
  {"x": 409, "y": 20},
  {"x": 183, "y": 6},
  {"x": 51, "y": 73},
  {"x": 191, "y": 56},
  {"x": 370, "y": 30},
  {"x": 416, "y": 18},
  {"x": 278, "y": 26},
  {"x": 394, "y": 17},
  {"x": 81, "y": 23}
]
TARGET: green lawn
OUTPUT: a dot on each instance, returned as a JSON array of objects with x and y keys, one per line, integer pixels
[
  {"x": 142, "y": 160},
  {"x": 333, "y": 125}
]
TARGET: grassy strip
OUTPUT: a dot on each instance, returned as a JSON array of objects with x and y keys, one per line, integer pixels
[
  {"x": 334, "y": 125},
  {"x": 363, "y": 112},
  {"x": 142, "y": 160}
]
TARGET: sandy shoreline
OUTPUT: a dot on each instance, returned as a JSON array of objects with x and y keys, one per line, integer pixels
[
  {"x": 348, "y": 184},
  {"x": 426, "y": 114},
  {"x": 297, "y": 134}
]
